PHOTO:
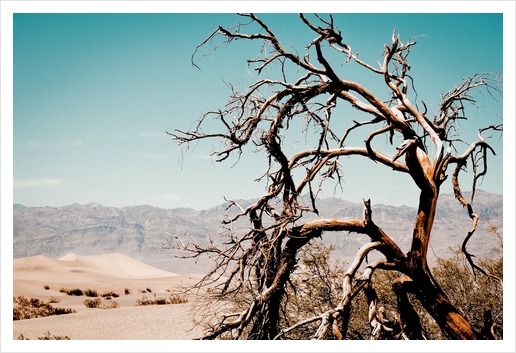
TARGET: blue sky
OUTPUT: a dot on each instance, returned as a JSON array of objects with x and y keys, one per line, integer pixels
[{"x": 94, "y": 94}]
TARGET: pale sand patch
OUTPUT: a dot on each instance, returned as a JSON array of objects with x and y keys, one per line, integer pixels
[
  {"x": 103, "y": 273},
  {"x": 154, "y": 322}
]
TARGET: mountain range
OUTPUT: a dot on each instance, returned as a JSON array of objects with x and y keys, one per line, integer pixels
[{"x": 144, "y": 232}]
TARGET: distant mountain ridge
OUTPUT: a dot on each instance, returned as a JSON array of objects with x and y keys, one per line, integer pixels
[{"x": 141, "y": 232}]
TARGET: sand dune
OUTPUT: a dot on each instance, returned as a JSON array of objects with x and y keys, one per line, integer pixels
[
  {"x": 118, "y": 265},
  {"x": 103, "y": 273}
]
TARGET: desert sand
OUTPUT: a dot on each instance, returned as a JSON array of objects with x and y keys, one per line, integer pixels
[
  {"x": 103, "y": 273},
  {"x": 131, "y": 328}
]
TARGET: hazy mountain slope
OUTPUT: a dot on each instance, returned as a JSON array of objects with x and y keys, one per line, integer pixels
[{"x": 141, "y": 231}]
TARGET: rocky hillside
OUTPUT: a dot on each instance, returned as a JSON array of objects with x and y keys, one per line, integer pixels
[{"x": 142, "y": 231}]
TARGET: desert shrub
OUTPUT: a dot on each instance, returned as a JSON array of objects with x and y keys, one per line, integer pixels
[
  {"x": 110, "y": 294},
  {"x": 176, "y": 299},
  {"x": 24, "y": 308},
  {"x": 91, "y": 293},
  {"x": 54, "y": 300},
  {"x": 127, "y": 291},
  {"x": 62, "y": 311},
  {"x": 92, "y": 303},
  {"x": 149, "y": 290},
  {"x": 97, "y": 304},
  {"x": 49, "y": 336},
  {"x": 142, "y": 302},
  {"x": 161, "y": 301},
  {"x": 76, "y": 291},
  {"x": 475, "y": 297},
  {"x": 111, "y": 305},
  {"x": 142, "y": 291},
  {"x": 47, "y": 287}
]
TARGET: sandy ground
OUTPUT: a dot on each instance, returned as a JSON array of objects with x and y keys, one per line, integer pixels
[
  {"x": 103, "y": 273},
  {"x": 131, "y": 328}
]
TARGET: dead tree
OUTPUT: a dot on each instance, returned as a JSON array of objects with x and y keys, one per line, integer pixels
[{"x": 257, "y": 265}]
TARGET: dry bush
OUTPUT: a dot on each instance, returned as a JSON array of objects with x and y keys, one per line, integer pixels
[
  {"x": 75, "y": 291},
  {"x": 47, "y": 336},
  {"x": 32, "y": 308},
  {"x": 175, "y": 299},
  {"x": 91, "y": 293},
  {"x": 92, "y": 303},
  {"x": 127, "y": 291},
  {"x": 111, "y": 305},
  {"x": 110, "y": 294},
  {"x": 54, "y": 300},
  {"x": 97, "y": 304}
]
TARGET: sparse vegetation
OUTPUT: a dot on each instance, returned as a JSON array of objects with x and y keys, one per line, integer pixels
[
  {"x": 54, "y": 300},
  {"x": 111, "y": 305},
  {"x": 47, "y": 336},
  {"x": 127, "y": 291},
  {"x": 97, "y": 304},
  {"x": 92, "y": 303},
  {"x": 149, "y": 290},
  {"x": 47, "y": 287},
  {"x": 311, "y": 290},
  {"x": 91, "y": 293},
  {"x": 32, "y": 308},
  {"x": 175, "y": 299},
  {"x": 110, "y": 294},
  {"x": 76, "y": 291}
]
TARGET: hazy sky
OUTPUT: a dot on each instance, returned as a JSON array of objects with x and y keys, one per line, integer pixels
[{"x": 94, "y": 94}]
